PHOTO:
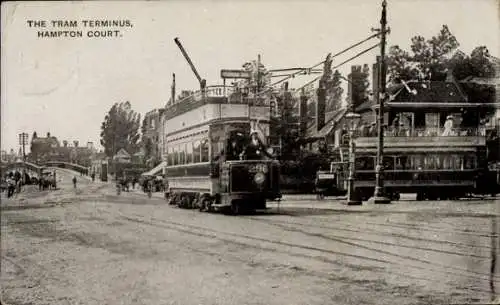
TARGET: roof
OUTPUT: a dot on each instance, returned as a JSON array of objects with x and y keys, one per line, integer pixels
[
  {"x": 332, "y": 119},
  {"x": 433, "y": 91},
  {"x": 415, "y": 92},
  {"x": 490, "y": 81},
  {"x": 157, "y": 170},
  {"x": 140, "y": 153},
  {"x": 122, "y": 153},
  {"x": 49, "y": 141}
]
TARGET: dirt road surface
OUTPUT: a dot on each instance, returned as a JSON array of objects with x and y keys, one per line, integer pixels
[{"x": 90, "y": 246}]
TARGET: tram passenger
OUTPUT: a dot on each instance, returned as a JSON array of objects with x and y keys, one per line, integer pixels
[
  {"x": 448, "y": 127},
  {"x": 373, "y": 130},
  {"x": 363, "y": 130},
  {"x": 395, "y": 127},
  {"x": 234, "y": 150}
]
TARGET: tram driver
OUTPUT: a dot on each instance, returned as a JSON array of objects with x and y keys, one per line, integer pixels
[{"x": 255, "y": 150}]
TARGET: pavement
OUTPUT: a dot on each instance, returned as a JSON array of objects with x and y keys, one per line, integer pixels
[{"x": 90, "y": 246}]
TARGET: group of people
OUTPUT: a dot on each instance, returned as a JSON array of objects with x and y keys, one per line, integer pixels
[
  {"x": 239, "y": 150},
  {"x": 13, "y": 181}
]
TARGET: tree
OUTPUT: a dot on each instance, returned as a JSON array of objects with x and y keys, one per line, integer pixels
[
  {"x": 75, "y": 143},
  {"x": 360, "y": 84},
  {"x": 65, "y": 143},
  {"x": 428, "y": 58},
  {"x": 331, "y": 81},
  {"x": 120, "y": 129},
  {"x": 433, "y": 58}
]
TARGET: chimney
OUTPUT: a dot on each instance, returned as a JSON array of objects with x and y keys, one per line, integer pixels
[
  {"x": 303, "y": 114},
  {"x": 321, "y": 107}
]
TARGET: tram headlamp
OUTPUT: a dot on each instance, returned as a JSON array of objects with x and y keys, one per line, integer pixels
[{"x": 259, "y": 178}]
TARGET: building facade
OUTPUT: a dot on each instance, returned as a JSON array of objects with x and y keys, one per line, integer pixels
[{"x": 151, "y": 135}]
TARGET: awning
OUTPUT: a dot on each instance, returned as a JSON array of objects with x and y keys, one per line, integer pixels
[{"x": 155, "y": 171}]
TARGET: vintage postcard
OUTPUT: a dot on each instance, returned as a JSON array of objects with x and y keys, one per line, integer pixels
[{"x": 250, "y": 152}]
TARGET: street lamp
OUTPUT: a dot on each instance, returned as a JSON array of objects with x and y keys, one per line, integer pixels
[{"x": 353, "y": 120}]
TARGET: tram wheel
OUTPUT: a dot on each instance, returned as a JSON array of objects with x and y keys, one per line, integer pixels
[
  {"x": 235, "y": 208},
  {"x": 396, "y": 196},
  {"x": 420, "y": 196},
  {"x": 204, "y": 204}
]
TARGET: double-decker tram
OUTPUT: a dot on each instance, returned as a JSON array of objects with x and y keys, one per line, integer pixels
[
  {"x": 214, "y": 161},
  {"x": 434, "y": 167}
]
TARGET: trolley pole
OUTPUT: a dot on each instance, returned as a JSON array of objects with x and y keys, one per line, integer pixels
[{"x": 379, "y": 194}]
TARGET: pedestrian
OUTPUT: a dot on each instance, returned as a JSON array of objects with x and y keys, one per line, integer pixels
[
  {"x": 372, "y": 132},
  {"x": 395, "y": 126},
  {"x": 10, "y": 187},
  {"x": 74, "y": 182}
]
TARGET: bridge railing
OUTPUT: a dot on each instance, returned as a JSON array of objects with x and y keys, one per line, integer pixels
[
  {"x": 71, "y": 166},
  {"x": 36, "y": 168},
  {"x": 20, "y": 165}
]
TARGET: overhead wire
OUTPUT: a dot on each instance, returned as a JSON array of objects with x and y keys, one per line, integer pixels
[
  {"x": 341, "y": 64},
  {"x": 320, "y": 63}
]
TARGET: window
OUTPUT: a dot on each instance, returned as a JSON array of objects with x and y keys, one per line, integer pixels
[
  {"x": 196, "y": 151},
  {"x": 469, "y": 162},
  {"x": 189, "y": 152},
  {"x": 401, "y": 162},
  {"x": 365, "y": 163},
  {"x": 176, "y": 155},
  {"x": 170, "y": 155},
  {"x": 416, "y": 161},
  {"x": 432, "y": 124},
  {"x": 204, "y": 150},
  {"x": 389, "y": 163},
  {"x": 182, "y": 154}
]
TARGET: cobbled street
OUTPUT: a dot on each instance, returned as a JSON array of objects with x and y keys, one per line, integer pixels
[{"x": 91, "y": 246}]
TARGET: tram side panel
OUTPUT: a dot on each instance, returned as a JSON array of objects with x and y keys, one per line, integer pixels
[{"x": 430, "y": 180}]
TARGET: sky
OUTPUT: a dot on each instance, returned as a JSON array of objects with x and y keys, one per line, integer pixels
[{"x": 66, "y": 85}]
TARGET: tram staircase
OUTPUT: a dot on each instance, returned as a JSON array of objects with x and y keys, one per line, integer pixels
[{"x": 340, "y": 164}]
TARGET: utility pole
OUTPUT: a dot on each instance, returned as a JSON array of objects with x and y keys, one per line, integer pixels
[
  {"x": 23, "y": 141},
  {"x": 379, "y": 194}
]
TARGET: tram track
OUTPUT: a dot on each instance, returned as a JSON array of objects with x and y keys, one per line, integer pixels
[
  {"x": 212, "y": 233},
  {"x": 347, "y": 227},
  {"x": 291, "y": 229},
  {"x": 202, "y": 232}
]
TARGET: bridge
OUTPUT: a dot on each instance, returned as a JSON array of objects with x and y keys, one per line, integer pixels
[{"x": 35, "y": 169}]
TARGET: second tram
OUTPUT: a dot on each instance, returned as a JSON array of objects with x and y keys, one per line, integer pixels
[{"x": 434, "y": 168}]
